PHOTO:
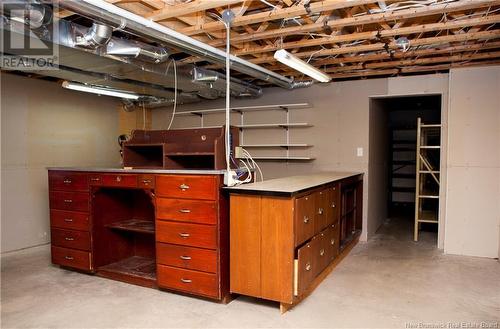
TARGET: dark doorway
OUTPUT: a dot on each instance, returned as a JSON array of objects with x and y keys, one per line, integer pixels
[{"x": 393, "y": 140}]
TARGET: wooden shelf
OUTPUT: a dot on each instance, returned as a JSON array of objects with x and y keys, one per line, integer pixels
[
  {"x": 142, "y": 268},
  {"x": 134, "y": 225},
  {"x": 275, "y": 145}
]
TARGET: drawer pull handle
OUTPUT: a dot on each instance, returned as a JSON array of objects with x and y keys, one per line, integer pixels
[
  {"x": 184, "y": 235},
  {"x": 333, "y": 205},
  {"x": 146, "y": 181},
  {"x": 308, "y": 266},
  {"x": 320, "y": 211},
  {"x": 332, "y": 242},
  {"x": 185, "y": 211},
  {"x": 69, "y": 220},
  {"x": 118, "y": 178},
  {"x": 67, "y": 181},
  {"x": 186, "y": 280},
  {"x": 68, "y": 200},
  {"x": 322, "y": 252},
  {"x": 184, "y": 187},
  {"x": 185, "y": 257},
  {"x": 69, "y": 257},
  {"x": 69, "y": 239},
  {"x": 95, "y": 179},
  {"x": 306, "y": 219}
]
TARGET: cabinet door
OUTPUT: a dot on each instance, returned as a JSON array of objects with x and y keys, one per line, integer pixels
[{"x": 304, "y": 218}]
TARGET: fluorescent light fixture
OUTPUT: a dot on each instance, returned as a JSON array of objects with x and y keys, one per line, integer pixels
[
  {"x": 99, "y": 90},
  {"x": 296, "y": 63}
]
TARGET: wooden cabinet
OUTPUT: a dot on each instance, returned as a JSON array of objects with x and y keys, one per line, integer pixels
[
  {"x": 284, "y": 242},
  {"x": 151, "y": 229}
]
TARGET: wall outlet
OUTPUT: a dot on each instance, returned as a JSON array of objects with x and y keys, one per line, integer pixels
[
  {"x": 359, "y": 151},
  {"x": 230, "y": 178},
  {"x": 238, "y": 152}
]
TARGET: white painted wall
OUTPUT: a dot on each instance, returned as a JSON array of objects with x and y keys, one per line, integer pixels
[
  {"x": 473, "y": 204},
  {"x": 44, "y": 125}
]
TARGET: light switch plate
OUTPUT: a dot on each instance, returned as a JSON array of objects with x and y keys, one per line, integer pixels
[{"x": 359, "y": 151}]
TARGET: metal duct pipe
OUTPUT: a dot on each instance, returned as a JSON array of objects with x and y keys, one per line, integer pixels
[
  {"x": 122, "y": 19},
  {"x": 137, "y": 50},
  {"x": 97, "y": 35},
  {"x": 33, "y": 14},
  {"x": 217, "y": 80}
]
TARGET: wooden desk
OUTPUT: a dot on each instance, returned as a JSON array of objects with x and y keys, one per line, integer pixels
[
  {"x": 287, "y": 234},
  {"x": 155, "y": 228}
]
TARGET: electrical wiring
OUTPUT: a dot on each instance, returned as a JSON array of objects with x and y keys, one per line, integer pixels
[
  {"x": 249, "y": 157},
  {"x": 175, "y": 94}
]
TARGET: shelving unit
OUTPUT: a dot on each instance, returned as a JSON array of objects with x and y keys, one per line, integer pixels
[
  {"x": 242, "y": 126},
  {"x": 427, "y": 175}
]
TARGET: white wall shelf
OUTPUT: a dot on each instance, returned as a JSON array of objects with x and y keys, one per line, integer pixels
[
  {"x": 275, "y": 145},
  {"x": 283, "y": 158},
  {"x": 282, "y": 107}
]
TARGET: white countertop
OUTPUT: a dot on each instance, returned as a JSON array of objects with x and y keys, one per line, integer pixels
[{"x": 291, "y": 184}]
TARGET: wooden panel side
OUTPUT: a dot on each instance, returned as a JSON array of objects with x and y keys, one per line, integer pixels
[
  {"x": 245, "y": 248},
  {"x": 277, "y": 249}
]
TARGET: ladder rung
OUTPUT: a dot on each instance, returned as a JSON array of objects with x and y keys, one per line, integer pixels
[
  {"x": 427, "y": 221},
  {"x": 424, "y": 196},
  {"x": 431, "y": 126},
  {"x": 430, "y": 147}
]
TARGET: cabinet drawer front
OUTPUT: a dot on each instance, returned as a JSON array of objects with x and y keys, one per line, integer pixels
[
  {"x": 322, "y": 255},
  {"x": 333, "y": 239},
  {"x": 119, "y": 180},
  {"x": 194, "y": 282},
  {"x": 69, "y": 220},
  {"x": 321, "y": 204},
  {"x": 333, "y": 204},
  {"x": 67, "y": 181},
  {"x": 70, "y": 239},
  {"x": 75, "y": 201},
  {"x": 146, "y": 181},
  {"x": 71, "y": 258},
  {"x": 187, "y": 186},
  {"x": 304, "y": 267},
  {"x": 204, "y": 212},
  {"x": 304, "y": 218},
  {"x": 187, "y": 257},
  {"x": 195, "y": 235}
]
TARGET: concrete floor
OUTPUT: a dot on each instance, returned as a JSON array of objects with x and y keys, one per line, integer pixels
[{"x": 388, "y": 282}]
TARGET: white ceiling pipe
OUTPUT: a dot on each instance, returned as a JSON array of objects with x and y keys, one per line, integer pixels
[{"x": 122, "y": 19}]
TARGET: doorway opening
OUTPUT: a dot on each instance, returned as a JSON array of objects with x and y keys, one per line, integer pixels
[{"x": 396, "y": 169}]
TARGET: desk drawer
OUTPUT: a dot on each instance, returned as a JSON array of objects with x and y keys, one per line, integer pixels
[
  {"x": 204, "y": 212},
  {"x": 70, "y": 239},
  {"x": 305, "y": 266},
  {"x": 74, "y": 201},
  {"x": 194, "y": 282},
  {"x": 195, "y": 235},
  {"x": 117, "y": 180},
  {"x": 69, "y": 220},
  {"x": 67, "y": 181},
  {"x": 146, "y": 181},
  {"x": 71, "y": 258},
  {"x": 187, "y": 186},
  {"x": 187, "y": 257},
  {"x": 304, "y": 218}
]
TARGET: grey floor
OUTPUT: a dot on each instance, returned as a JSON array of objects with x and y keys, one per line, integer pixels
[{"x": 388, "y": 282}]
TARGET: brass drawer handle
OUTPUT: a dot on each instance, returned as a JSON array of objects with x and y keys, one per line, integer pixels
[
  {"x": 118, "y": 178},
  {"x": 146, "y": 181},
  {"x": 320, "y": 211},
  {"x": 333, "y": 205},
  {"x": 95, "y": 179},
  {"x": 69, "y": 257},
  {"x": 332, "y": 241},
  {"x": 186, "y": 280},
  {"x": 68, "y": 200},
  {"x": 185, "y": 257},
  {"x": 306, "y": 219},
  {"x": 322, "y": 252},
  {"x": 308, "y": 266},
  {"x": 67, "y": 181},
  {"x": 184, "y": 235},
  {"x": 185, "y": 211},
  {"x": 184, "y": 187},
  {"x": 69, "y": 220},
  {"x": 69, "y": 239}
]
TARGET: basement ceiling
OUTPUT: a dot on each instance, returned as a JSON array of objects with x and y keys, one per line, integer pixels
[{"x": 346, "y": 39}]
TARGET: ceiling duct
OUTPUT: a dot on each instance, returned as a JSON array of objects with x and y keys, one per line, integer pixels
[
  {"x": 97, "y": 35},
  {"x": 33, "y": 14},
  {"x": 137, "y": 50},
  {"x": 122, "y": 19}
]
